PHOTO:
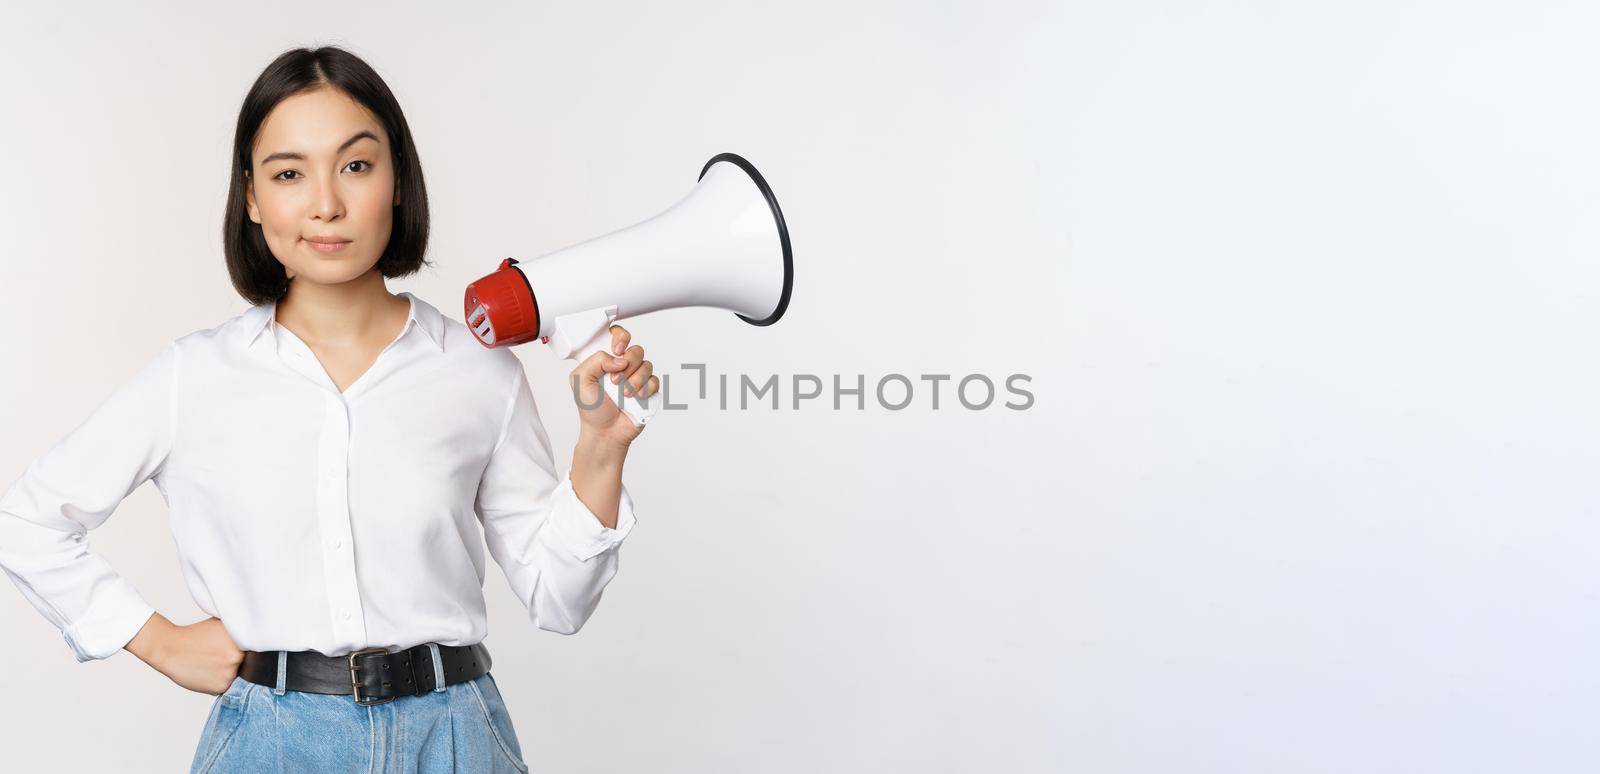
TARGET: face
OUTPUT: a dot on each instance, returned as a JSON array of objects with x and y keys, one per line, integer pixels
[{"x": 322, "y": 186}]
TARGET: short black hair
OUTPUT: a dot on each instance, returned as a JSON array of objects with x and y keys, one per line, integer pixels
[{"x": 256, "y": 274}]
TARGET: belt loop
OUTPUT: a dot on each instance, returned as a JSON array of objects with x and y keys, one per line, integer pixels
[
  {"x": 283, "y": 673},
  {"x": 438, "y": 667}
]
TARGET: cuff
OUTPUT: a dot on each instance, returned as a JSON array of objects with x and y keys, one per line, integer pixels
[
  {"x": 579, "y": 531},
  {"x": 116, "y": 615}
]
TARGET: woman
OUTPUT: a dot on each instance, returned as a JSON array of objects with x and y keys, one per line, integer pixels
[{"x": 334, "y": 459}]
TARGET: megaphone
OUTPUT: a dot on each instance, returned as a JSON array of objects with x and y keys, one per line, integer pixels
[{"x": 723, "y": 245}]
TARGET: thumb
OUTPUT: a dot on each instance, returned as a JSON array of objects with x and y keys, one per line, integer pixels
[{"x": 591, "y": 371}]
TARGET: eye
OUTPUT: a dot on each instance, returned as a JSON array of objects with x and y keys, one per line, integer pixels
[
  {"x": 280, "y": 175},
  {"x": 364, "y": 165}
]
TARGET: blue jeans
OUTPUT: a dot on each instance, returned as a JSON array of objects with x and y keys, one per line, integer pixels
[{"x": 460, "y": 727}]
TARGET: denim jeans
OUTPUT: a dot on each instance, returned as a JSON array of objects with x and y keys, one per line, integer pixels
[{"x": 457, "y": 728}]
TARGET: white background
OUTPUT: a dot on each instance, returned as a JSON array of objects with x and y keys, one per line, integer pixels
[{"x": 1307, "y": 292}]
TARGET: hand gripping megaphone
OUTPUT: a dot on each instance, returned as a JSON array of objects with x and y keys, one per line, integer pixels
[{"x": 723, "y": 245}]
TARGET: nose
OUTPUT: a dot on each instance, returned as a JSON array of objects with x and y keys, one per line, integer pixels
[{"x": 328, "y": 204}]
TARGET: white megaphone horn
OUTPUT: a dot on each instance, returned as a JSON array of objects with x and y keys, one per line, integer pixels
[{"x": 723, "y": 245}]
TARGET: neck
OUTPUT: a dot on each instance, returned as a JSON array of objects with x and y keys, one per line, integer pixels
[{"x": 345, "y": 313}]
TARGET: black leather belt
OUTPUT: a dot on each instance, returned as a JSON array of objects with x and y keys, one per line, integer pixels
[{"x": 370, "y": 676}]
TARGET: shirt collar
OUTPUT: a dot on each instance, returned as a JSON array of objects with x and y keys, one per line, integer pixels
[{"x": 255, "y": 320}]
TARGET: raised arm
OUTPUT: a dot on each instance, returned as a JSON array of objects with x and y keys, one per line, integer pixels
[{"x": 556, "y": 554}]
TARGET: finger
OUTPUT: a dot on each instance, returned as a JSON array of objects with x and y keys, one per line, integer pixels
[
  {"x": 586, "y": 385},
  {"x": 640, "y": 376},
  {"x": 593, "y": 368},
  {"x": 653, "y": 387},
  {"x": 634, "y": 356},
  {"x": 619, "y": 339}
]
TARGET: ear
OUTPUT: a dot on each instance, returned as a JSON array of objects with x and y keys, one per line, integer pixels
[{"x": 250, "y": 199}]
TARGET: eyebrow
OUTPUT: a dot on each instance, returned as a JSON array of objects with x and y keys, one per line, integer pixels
[{"x": 301, "y": 157}]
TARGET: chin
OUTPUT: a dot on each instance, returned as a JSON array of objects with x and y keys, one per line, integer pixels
[{"x": 334, "y": 272}]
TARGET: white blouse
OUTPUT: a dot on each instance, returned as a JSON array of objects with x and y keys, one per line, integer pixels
[{"x": 309, "y": 519}]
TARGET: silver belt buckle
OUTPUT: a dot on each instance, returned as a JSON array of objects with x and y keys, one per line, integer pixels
[{"x": 355, "y": 679}]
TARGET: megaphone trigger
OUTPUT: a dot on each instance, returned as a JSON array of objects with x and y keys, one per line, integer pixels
[{"x": 571, "y": 333}]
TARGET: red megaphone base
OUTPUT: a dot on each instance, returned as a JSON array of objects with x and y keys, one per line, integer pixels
[{"x": 501, "y": 309}]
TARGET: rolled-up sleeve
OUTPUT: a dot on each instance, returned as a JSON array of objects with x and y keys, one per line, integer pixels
[
  {"x": 554, "y": 551},
  {"x": 46, "y": 514}
]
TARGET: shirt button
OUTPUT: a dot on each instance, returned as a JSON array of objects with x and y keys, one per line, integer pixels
[
  {"x": 335, "y": 542},
  {"x": 347, "y": 615}
]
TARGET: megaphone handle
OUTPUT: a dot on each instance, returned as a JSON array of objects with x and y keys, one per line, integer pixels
[{"x": 638, "y": 409}]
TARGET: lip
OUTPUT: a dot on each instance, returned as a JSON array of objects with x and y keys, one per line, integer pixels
[{"x": 326, "y": 244}]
